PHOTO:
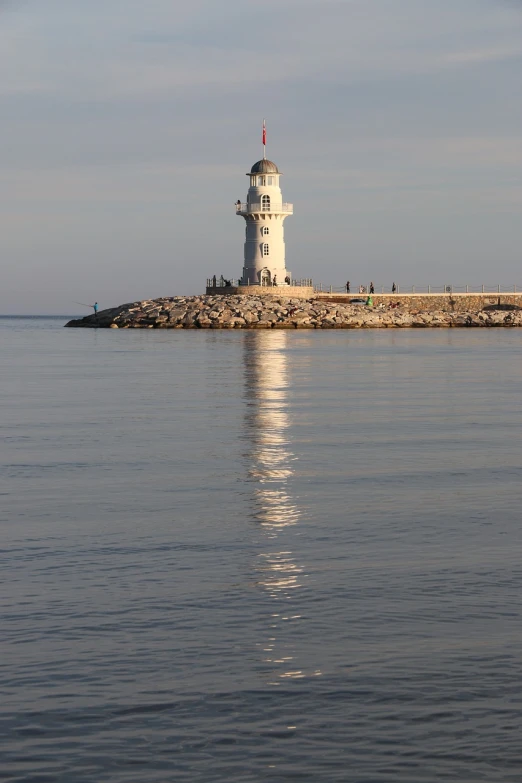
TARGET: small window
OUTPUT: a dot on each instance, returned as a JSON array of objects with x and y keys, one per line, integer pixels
[
  {"x": 265, "y": 203},
  {"x": 266, "y": 251},
  {"x": 260, "y": 181},
  {"x": 269, "y": 180},
  {"x": 266, "y": 230}
]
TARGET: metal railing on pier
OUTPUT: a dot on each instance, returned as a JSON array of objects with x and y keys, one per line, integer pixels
[
  {"x": 449, "y": 288},
  {"x": 224, "y": 282},
  {"x": 367, "y": 288}
]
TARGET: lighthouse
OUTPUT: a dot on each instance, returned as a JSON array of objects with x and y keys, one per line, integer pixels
[{"x": 264, "y": 212}]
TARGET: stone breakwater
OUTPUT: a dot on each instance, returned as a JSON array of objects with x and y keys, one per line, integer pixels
[{"x": 256, "y": 312}]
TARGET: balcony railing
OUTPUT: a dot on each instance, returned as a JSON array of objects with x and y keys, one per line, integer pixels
[{"x": 248, "y": 209}]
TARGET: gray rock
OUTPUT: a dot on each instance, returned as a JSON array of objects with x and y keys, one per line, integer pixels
[{"x": 227, "y": 312}]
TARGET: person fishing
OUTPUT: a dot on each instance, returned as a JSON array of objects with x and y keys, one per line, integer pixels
[{"x": 94, "y": 307}]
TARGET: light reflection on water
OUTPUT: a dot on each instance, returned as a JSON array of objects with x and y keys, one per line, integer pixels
[{"x": 272, "y": 464}]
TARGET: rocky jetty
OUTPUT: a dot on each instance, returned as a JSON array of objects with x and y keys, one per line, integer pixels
[{"x": 262, "y": 312}]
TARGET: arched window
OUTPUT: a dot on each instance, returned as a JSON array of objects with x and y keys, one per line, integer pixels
[
  {"x": 265, "y": 203},
  {"x": 265, "y": 230},
  {"x": 266, "y": 250}
]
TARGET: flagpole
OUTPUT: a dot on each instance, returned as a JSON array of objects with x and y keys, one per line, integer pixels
[{"x": 264, "y": 139}]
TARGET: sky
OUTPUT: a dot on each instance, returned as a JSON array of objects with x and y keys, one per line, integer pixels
[{"x": 128, "y": 127}]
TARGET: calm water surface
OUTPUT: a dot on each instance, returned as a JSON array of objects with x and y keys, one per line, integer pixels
[{"x": 260, "y": 556}]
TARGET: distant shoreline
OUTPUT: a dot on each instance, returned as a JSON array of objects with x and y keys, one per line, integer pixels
[
  {"x": 323, "y": 311},
  {"x": 39, "y": 315}
]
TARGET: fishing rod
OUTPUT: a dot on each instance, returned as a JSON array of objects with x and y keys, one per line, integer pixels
[{"x": 83, "y": 304}]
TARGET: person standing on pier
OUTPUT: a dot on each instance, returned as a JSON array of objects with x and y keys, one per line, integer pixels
[
  {"x": 394, "y": 288},
  {"x": 372, "y": 289},
  {"x": 348, "y": 287}
]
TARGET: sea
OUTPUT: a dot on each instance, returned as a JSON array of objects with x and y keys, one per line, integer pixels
[{"x": 260, "y": 556}]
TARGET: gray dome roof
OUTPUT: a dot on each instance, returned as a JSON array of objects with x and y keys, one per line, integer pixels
[{"x": 264, "y": 167}]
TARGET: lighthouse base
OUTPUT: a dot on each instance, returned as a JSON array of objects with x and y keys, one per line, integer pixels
[{"x": 293, "y": 291}]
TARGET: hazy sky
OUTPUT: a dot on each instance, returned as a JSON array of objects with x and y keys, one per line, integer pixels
[{"x": 128, "y": 126}]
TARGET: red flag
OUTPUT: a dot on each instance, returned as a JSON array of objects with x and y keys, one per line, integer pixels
[{"x": 264, "y": 133}]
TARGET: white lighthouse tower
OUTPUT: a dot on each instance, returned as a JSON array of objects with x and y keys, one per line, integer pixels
[{"x": 264, "y": 213}]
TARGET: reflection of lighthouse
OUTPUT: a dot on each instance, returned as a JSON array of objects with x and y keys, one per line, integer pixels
[
  {"x": 271, "y": 467},
  {"x": 271, "y": 457},
  {"x": 264, "y": 213}
]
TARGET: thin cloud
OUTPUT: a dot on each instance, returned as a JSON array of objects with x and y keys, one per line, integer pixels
[{"x": 477, "y": 56}]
